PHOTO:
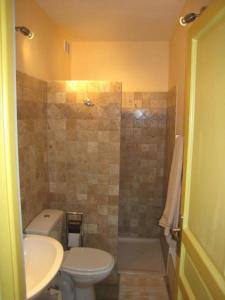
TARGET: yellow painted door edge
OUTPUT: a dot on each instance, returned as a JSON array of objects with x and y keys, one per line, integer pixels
[
  {"x": 216, "y": 8},
  {"x": 12, "y": 286}
]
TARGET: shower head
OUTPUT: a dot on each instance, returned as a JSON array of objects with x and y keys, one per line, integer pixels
[
  {"x": 88, "y": 102},
  {"x": 25, "y": 31},
  {"x": 189, "y": 18}
]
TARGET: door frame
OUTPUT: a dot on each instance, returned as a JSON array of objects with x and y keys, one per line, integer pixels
[
  {"x": 12, "y": 278},
  {"x": 210, "y": 275}
]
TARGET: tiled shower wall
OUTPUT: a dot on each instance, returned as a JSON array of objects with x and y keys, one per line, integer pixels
[
  {"x": 143, "y": 137},
  {"x": 84, "y": 156},
  {"x": 32, "y": 138}
]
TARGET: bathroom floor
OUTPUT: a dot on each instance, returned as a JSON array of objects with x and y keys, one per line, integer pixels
[
  {"x": 142, "y": 287},
  {"x": 138, "y": 254},
  {"x": 141, "y": 269},
  {"x": 50, "y": 295}
]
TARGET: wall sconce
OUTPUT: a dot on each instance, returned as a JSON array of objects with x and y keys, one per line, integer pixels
[
  {"x": 25, "y": 31},
  {"x": 189, "y": 18}
]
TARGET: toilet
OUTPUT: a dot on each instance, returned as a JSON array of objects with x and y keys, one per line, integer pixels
[{"x": 82, "y": 267}]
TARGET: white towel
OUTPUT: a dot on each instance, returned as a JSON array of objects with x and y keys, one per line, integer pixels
[{"x": 170, "y": 215}]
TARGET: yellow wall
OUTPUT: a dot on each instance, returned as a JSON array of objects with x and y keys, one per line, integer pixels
[
  {"x": 141, "y": 66},
  {"x": 177, "y": 60},
  {"x": 42, "y": 57}
]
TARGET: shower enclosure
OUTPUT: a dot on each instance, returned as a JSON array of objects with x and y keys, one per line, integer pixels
[{"x": 142, "y": 188}]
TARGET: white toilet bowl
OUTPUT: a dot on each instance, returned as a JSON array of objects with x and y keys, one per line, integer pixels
[
  {"x": 81, "y": 267},
  {"x": 86, "y": 267}
]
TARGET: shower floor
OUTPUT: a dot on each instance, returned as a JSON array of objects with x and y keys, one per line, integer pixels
[
  {"x": 140, "y": 255},
  {"x": 142, "y": 270}
]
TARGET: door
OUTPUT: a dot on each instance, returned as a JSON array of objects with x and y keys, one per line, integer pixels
[{"x": 202, "y": 261}]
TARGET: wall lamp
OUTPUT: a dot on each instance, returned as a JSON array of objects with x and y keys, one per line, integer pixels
[
  {"x": 25, "y": 31},
  {"x": 189, "y": 18}
]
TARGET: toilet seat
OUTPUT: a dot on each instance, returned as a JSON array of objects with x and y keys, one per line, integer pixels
[{"x": 86, "y": 261}]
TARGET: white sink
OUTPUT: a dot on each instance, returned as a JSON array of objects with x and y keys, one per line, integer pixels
[{"x": 43, "y": 257}]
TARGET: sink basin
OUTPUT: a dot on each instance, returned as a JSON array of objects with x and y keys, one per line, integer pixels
[{"x": 43, "y": 257}]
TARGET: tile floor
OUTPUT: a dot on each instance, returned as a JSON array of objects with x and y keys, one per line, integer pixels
[
  {"x": 142, "y": 287},
  {"x": 141, "y": 269},
  {"x": 49, "y": 295},
  {"x": 136, "y": 254}
]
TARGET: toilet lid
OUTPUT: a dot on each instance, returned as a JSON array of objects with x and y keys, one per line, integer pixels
[{"x": 86, "y": 260}]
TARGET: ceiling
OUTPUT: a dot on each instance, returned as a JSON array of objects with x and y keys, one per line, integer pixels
[{"x": 115, "y": 20}]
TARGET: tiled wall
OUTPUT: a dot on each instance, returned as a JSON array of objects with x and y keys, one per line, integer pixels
[
  {"x": 84, "y": 155},
  {"x": 32, "y": 135},
  {"x": 143, "y": 137}
]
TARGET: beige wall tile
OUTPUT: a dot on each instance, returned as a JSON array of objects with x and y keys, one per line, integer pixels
[
  {"x": 143, "y": 136},
  {"x": 32, "y": 139},
  {"x": 87, "y": 168}
]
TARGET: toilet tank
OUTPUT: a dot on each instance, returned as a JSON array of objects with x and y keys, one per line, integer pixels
[{"x": 49, "y": 222}]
